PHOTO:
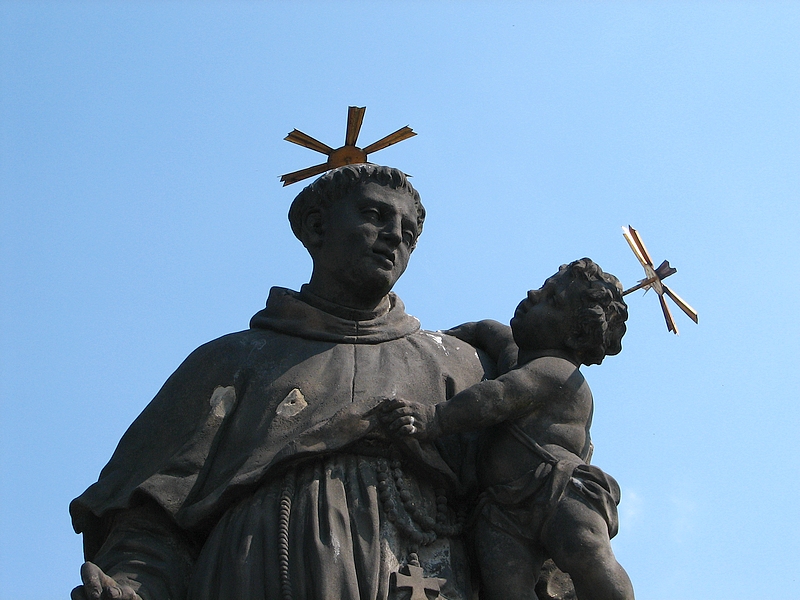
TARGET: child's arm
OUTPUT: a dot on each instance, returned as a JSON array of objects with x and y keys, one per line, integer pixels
[
  {"x": 492, "y": 337},
  {"x": 481, "y": 405}
]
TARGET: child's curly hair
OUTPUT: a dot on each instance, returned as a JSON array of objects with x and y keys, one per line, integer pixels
[{"x": 597, "y": 308}]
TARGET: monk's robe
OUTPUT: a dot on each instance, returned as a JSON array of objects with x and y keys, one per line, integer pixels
[{"x": 260, "y": 470}]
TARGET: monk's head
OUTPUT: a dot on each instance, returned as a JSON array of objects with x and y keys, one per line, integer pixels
[{"x": 360, "y": 224}]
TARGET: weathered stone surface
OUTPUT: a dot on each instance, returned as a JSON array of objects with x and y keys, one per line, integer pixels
[{"x": 331, "y": 450}]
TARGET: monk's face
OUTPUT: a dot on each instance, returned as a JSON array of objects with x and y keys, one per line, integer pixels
[{"x": 367, "y": 240}]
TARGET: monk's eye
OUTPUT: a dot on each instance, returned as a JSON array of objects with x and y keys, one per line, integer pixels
[
  {"x": 371, "y": 214},
  {"x": 408, "y": 237}
]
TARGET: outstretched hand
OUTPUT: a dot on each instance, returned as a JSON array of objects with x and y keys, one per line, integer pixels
[
  {"x": 496, "y": 339},
  {"x": 404, "y": 418},
  {"x": 99, "y": 586}
]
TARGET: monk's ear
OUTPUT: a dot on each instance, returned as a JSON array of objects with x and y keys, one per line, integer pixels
[{"x": 313, "y": 229}]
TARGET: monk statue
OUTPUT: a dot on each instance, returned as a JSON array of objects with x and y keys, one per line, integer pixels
[{"x": 262, "y": 469}]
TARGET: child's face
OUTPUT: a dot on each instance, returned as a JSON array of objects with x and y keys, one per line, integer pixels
[{"x": 538, "y": 325}]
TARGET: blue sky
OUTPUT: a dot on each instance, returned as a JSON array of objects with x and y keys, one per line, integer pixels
[{"x": 141, "y": 215}]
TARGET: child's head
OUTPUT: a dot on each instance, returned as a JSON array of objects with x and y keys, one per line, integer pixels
[{"x": 579, "y": 309}]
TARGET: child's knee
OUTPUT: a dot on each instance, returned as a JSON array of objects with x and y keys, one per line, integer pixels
[
  {"x": 579, "y": 536},
  {"x": 578, "y": 539}
]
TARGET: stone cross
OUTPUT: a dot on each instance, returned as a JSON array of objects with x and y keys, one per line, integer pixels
[{"x": 418, "y": 583}]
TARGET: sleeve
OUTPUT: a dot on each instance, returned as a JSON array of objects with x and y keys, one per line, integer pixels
[
  {"x": 161, "y": 454},
  {"x": 145, "y": 550}
]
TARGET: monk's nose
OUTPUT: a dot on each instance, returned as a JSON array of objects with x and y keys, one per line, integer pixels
[{"x": 392, "y": 232}]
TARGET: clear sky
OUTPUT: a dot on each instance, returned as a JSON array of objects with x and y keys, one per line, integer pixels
[{"x": 141, "y": 215}]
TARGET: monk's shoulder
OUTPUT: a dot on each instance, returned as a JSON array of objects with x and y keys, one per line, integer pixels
[{"x": 453, "y": 355}]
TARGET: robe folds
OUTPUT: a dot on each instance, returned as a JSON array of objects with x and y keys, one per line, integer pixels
[{"x": 254, "y": 472}]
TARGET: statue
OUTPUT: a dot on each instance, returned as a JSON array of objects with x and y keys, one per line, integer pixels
[
  {"x": 261, "y": 470},
  {"x": 540, "y": 499},
  {"x": 306, "y": 458}
]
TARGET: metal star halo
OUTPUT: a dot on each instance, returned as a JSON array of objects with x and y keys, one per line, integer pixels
[
  {"x": 346, "y": 155},
  {"x": 654, "y": 279}
]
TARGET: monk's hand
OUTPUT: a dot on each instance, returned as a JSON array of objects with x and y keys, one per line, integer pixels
[
  {"x": 99, "y": 586},
  {"x": 405, "y": 418}
]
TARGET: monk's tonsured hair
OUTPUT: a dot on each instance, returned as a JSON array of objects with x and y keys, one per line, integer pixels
[
  {"x": 336, "y": 184},
  {"x": 596, "y": 307}
]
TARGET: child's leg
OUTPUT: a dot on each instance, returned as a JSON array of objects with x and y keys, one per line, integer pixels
[
  {"x": 509, "y": 567},
  {"x": 576, "y": 537}
]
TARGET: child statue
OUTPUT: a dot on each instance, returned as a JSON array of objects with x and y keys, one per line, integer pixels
[{"x": 539, "y": 496}]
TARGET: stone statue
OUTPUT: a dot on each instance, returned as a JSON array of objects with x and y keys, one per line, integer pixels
[
  {"x": 261, "y": 470},
  {"x": 331, "y": 451},
  {"x": 540, "y": 499}
]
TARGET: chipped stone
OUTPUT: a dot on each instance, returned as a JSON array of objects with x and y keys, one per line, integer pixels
[
  {"x": 222, "y": 400},
  {"x": 293, "y": 404},
  {"x": 439, "y": 341}
]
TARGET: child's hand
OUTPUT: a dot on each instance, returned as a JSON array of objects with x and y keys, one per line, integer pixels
[
  {"x": 496, "y": 339},
  {"x": 405, "y": 418}
]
